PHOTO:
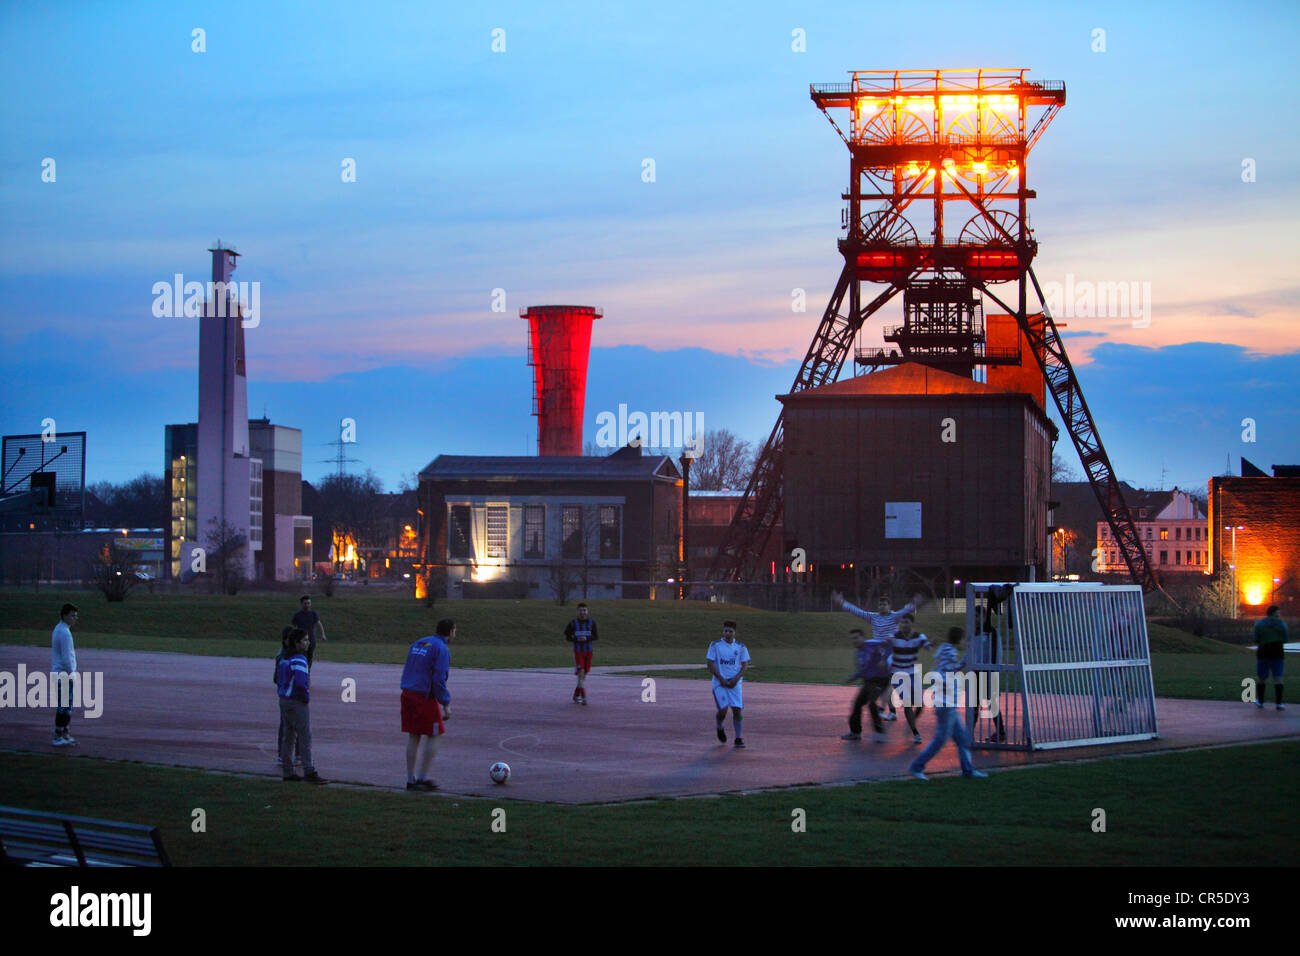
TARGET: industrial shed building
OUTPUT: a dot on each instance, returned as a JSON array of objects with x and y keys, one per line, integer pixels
[{"x": 918, "y": 468}]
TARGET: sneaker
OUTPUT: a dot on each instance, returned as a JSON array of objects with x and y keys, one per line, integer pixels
[
  {"x": 291, "y": 777},
  {"x": 1279, "y": 707},
  {"x": 60, "y": 740},
  {"x": 916, "y": 738},
  {"x": 722, "y": 736},
  {"x": 880, "y": 734},
  {"x": 850, "y": 736},
  {"x": 975, "y": 774},
  {"x": 740, "y": 743},
  {"x": 68, "y": 739},
  {"x": 314, "y": 777},
  {"x": 892, "y": 715},
  {"x": 1259, "y": 704},
  {"x": 583, "y": 700},
  {"x": 918, "y": 775}
]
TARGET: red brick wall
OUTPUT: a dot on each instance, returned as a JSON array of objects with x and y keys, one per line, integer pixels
[{"x": 1268, "y": 546}]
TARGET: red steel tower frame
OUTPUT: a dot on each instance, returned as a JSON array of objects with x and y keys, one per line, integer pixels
[{"x": 920, "y": 141}]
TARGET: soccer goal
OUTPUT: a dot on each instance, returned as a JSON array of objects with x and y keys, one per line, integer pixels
[{"x": 1057, "y": 665}]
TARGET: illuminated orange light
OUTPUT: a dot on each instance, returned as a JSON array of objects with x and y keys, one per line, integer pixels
[{"x": 1255, "y": 593}]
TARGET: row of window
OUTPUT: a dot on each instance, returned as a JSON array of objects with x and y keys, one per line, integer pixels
[
  {"x": 1164, "y": 533},
  {"x": 574, "y": 531},
  {"x": 1192, "y": 557}
]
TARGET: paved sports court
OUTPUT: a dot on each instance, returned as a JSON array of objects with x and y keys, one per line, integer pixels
[{"x": 221, "y": 713}]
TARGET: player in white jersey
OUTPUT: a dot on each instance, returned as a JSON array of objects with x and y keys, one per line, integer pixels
[{"x": 727, "y": 660}]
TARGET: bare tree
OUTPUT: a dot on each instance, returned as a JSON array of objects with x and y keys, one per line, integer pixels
[
  {"x": 725, "y": 462},
  {"x": 225, "y": 557},
  {"x": 352, "y": 506},
  {"x": 113, "y": 572},
  {"x": 1063, "y": 470},
  {"x": 560, "y": 575},
  {"x": 138, "y": 503}
]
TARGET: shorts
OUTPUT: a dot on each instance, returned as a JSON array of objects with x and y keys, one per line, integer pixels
[
  {"x": 582, "y": 661},
  {"x": 421, "y": 715},
  {"x": 1266, "y": 666},
  {"x": 726, "y": 697}
]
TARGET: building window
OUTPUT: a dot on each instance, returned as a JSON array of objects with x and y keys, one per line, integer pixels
[
  {"x": 1198, "y": 534},
  {"x": 611, "y": 531},
  {"x": 1164, "y": 557},
  {"x": 458, "y": 539},
  {"x": 571, "y": 531},
  {"x": 498, "y": 531},
  {"x": 534, "y": 531},
  {"x": 1148, "y": 532},
  {"x": 1178, "y": 534},
  {"x": 1164, "y": 534},
  {"x": 1178, "y": 557}
]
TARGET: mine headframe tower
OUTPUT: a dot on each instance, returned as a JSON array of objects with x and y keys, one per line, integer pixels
[{"x": 919, "y": 142}]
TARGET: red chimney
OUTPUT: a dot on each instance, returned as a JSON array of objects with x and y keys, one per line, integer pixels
[{"x": 559, "y": 342}]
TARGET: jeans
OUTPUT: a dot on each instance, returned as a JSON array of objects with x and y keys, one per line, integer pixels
[
  {"x": 951, "y": 725},
  {"x": 866, "y": 697},
  {"x": 297, "y": 730}
]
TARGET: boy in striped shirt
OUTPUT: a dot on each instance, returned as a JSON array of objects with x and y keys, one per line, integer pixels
[
  {"x": 884, "y": 624},
  {"x": 948, "y": 710},
  {"x": 906, "y": 645}
]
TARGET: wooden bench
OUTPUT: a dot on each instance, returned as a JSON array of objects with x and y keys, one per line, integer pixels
[{"x": 30, "y": 838}]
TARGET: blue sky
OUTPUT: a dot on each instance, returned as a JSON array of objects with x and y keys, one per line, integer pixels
[{"x": 521, "y": 171}]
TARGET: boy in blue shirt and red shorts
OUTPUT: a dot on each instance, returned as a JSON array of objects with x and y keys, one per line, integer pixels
[{"x": 426, "y": 703}]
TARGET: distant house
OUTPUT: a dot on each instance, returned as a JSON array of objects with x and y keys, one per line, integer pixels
[
  {"x": 1172, "y": 528},
  {"x": 532, "y": 526}
]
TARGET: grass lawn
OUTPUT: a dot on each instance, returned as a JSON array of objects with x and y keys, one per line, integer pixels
[
  {"x": 377, "y": 628},
  {"x": 1160, "y": 811}
]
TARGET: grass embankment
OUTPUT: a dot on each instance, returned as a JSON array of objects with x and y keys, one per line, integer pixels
[
  {"x": 368, "y": 628},
  {"x": 1208, "y": 808}
]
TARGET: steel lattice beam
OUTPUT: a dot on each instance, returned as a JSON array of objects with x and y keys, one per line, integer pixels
[
  {"x": 751, "y": 526},
  {"x": 1049, "y": 351}
]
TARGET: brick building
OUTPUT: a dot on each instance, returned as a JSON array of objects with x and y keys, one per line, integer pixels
[
  {"x": 1257, "y": 516},
  {"x": 526, "y": 526}
]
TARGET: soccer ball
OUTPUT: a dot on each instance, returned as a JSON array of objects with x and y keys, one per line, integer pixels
[{"x": 499, "y": 772}]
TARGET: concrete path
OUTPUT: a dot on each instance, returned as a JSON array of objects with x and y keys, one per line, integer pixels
[{"x": 221, "y": 713}]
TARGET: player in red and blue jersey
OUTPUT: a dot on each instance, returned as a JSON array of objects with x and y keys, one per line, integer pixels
[
  {"x": 580, "y": 632},
  {"x": 426, "y": 702}
]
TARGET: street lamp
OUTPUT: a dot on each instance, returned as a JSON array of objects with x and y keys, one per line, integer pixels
[{"x": 1234, "y": 528}]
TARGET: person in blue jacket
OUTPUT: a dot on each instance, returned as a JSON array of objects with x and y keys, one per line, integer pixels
[{"x": 293, "y": 685}]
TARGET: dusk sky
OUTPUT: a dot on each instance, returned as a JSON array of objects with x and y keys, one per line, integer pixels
[{"x": 1175, "y": 162}]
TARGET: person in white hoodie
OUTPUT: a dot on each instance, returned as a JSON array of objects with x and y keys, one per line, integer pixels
[{"x": 63, "y": 661}]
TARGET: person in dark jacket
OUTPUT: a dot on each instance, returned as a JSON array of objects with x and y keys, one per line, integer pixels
[
  {"x": 1270, "y": 635},
  {"x": 873, "y": 671}
]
